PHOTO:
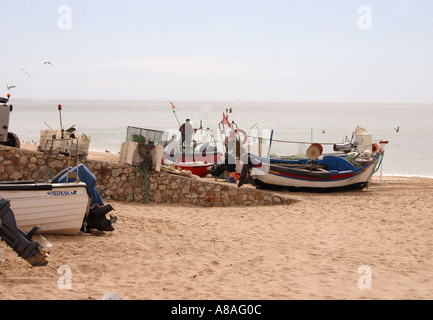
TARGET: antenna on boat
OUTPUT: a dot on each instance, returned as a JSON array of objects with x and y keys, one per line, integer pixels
[
  {"x": 353, "y": 133},
  {"x": 60, "y": 113}
]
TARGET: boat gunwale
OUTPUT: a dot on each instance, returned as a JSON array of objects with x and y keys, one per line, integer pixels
[{"x": 31, "y": 186}]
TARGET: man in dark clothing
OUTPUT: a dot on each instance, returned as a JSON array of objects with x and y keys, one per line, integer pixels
[{"x": 186, "y": 130}]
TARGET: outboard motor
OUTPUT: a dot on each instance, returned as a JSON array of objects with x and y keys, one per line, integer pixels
[
  {"x": 96, "y": 218},
  {"x": 249, "y": 161},
  {"x": 19, "y": 241},
  {"x": 229, "y": 164}
]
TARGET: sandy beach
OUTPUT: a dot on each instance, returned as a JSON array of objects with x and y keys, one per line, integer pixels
[{"x": 370, "y": 244}]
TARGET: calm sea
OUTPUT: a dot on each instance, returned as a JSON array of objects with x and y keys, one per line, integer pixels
[{"x": 408, "y": 153}]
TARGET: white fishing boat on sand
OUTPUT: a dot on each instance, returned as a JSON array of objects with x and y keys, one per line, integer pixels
[{"x": 57, "y": 208}]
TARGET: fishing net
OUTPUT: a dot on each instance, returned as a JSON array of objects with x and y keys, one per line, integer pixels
[{"x": 145, "y": 152}]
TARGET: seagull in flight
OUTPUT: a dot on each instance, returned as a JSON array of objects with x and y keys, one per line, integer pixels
[
  {"x": 26, "y": 72},
  {"x": 10, "y": 87},
  {"x": 47, "y": 62},
  {"x": 397, "y": 129}
]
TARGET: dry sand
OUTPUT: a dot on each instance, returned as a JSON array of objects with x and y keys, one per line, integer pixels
[{"x": 312, "y": 249}]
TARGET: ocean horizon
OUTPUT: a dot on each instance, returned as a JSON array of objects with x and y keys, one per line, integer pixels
[{"x": 106, "y": 122}]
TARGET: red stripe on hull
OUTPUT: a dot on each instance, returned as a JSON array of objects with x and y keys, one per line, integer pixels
[{"x": 334, "y": 177}]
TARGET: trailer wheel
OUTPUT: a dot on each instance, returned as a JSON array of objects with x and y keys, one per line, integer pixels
[{"x": 13, "y": 140}]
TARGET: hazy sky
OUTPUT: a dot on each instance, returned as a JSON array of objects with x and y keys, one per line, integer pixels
[{"x": 300, "y": 50}]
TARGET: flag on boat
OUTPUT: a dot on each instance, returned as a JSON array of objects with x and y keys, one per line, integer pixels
[
  {"x": 225, "y": 120},
  {"x": 173, "y": 107}
]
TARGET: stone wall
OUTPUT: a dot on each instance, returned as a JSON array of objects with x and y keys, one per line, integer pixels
[{"x": 125, "y": 183}]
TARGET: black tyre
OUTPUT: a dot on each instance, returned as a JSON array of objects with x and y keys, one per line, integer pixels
[{"x": 13, "y": 140}]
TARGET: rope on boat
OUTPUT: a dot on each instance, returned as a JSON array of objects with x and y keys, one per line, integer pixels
[
  {"x": 381, "y": 170},
  {"x": 288, "y": 141},
  {"x": 301, "y": 142}
]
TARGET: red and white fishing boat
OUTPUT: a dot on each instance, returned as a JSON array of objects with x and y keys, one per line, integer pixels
[{"x": 200, "y": 169}]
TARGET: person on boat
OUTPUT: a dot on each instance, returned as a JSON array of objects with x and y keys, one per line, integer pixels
[{"x": 187, "y": 131}]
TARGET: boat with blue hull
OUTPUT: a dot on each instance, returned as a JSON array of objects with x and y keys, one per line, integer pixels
[
  {"x": 330, "y": 173},
  {"x": 350, "y": 165}
]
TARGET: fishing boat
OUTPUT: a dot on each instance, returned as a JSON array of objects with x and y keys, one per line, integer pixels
[
  {"x": 207, "y": 151},
  {"x": 350, "y": 167},
  {"x": 330, "y": 173},
  {"x": 197, "y": 157},
  {"x": 57, "y": 208},
  {"x": 188, "y": 158},
  {"x": 66, "y": 205},
  {"x": 200, "y": 169}
]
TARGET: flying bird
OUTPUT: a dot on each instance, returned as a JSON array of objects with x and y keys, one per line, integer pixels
[
  {"x": 26, "y": 72},
  {"x": 47, "y": 62},
  {"x": 10, "y": 87},
  {"x": 397, "y": 129}
]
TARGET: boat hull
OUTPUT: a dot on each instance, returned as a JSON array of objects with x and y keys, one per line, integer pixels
[
  {"x": 196, "y": 157},
  {"x": 305, "y": 180},
  {"x": 57, "y": 208},
  {"x": 200, "y": 170}
]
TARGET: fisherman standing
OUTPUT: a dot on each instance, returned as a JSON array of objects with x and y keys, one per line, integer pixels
[{"x": 187, "y": 131}]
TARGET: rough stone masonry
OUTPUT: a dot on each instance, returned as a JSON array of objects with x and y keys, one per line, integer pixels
[{"x": 128, "y": 183}]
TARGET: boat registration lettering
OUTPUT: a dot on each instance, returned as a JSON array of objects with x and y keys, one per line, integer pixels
[{"x": 62, "y": 193}]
